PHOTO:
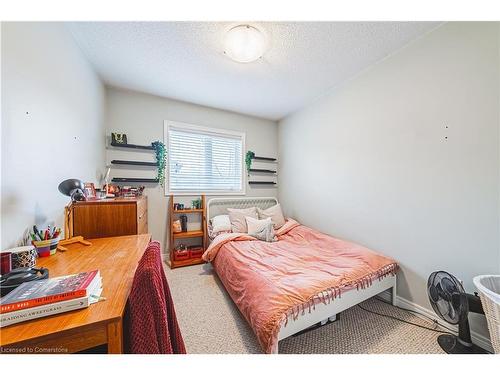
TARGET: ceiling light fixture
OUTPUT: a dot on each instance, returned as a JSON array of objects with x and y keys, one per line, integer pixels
[{"x": 244, "y": 44}]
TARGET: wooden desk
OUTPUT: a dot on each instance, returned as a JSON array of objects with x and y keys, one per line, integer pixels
[{"x": 100, "y": 323}]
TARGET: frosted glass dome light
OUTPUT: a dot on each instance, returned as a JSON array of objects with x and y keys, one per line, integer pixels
[{"x": 244, "y": 44}]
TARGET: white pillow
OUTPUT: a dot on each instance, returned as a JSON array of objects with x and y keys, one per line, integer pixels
[
  {"x": 266, "y": 234},
  {"x": 221, "y": 223},
  {"x": 275, "y": 213},
  {"x": 256, "y": 225}
]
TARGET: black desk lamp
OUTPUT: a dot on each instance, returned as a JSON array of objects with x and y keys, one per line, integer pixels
[{"x": 72, "y": 188}]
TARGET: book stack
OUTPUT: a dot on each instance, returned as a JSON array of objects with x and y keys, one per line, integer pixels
[{"x": 36, "y": 299}]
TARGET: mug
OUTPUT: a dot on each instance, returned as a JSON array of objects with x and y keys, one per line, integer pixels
[
  {"x": 5, "y": 262},
  {"x": 23, "y": 256}
]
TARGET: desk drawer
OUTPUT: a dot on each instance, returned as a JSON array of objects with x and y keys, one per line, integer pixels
[{"x": 104, "y": 220}]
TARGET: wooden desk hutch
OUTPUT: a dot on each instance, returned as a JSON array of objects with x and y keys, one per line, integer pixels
[{"x": 107, "y": 217}]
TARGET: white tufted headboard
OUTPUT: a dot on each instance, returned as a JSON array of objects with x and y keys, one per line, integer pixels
[{"x": 218, "y": 206}]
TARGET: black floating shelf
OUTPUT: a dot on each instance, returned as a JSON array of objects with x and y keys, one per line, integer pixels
[
  {"x": 261, "y": 170},
  {"x": 263, "y": 158},
  {"x": 262, "y": 183},
  {"x": 128, "y": 145},
  {"x": 149, "y": 180},
  {"x": 133, "y": 162}
]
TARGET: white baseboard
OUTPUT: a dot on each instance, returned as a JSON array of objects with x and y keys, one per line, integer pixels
[{"x": 477, "y": 338}]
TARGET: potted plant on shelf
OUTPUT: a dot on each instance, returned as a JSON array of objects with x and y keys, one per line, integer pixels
[
  {"x": 161, "y": 157},
  {"x": 248, "y": 160}
]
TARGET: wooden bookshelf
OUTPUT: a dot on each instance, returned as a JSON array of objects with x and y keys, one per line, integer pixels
[{"x": 175, "y": 238}]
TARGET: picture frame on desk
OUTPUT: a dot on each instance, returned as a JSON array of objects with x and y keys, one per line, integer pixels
[{"x": 89, "y": 190}]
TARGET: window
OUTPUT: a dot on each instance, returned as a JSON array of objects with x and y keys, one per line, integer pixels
[{"x": 204, "y": 160}]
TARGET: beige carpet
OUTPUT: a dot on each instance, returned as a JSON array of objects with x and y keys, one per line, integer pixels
[{"x": 211, "y": 323}]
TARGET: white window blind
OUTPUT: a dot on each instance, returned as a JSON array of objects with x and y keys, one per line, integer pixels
[{"x": 204, "y": 161}]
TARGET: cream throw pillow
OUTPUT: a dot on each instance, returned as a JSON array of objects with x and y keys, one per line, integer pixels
[
  {"x": 256, "y": 225},
  {"x": 237, "y": 218},
  {"x": 221, "y": 223},
  {"x": 275, "y": 213}
]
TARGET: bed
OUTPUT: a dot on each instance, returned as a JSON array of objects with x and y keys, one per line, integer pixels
[{"x": 304, "y": 278}]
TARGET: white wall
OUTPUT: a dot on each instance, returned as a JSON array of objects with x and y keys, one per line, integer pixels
[
  {"x": 52, "y": 124},
  {"x": 375, "y": 166},
  {"x": 141, "y": 117}
]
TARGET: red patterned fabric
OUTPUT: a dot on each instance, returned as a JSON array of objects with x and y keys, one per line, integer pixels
[{"x": 150, "y": 325}]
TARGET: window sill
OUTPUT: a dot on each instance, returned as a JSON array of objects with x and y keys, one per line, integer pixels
[{"x": 191, "y": 193}]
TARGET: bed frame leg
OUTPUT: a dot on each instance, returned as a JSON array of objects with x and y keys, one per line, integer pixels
[
  {"x": 329, "y": 319},
  {"x": 393, "y": 294}
]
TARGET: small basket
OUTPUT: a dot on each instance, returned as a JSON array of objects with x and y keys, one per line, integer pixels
[
  {"x": 47, "y": 247},
  {"x": 489, "y": 292},
  {"x": 181, "y": 255},
  {"x": 195, "y": 252}
]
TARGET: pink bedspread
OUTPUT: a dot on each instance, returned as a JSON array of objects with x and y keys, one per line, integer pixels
[{"x": 273, "y": 282}]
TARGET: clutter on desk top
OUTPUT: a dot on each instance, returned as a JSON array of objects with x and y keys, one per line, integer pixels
[{"x": 47, "y": 234}]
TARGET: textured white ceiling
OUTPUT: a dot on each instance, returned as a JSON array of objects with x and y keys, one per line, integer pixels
[{"x": 185, "y": 60}]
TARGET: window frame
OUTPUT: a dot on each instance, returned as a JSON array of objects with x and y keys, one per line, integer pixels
[{"x": 167, "y": 124}]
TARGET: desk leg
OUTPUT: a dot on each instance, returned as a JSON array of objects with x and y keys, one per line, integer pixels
[{"x": 115, "y": 338}]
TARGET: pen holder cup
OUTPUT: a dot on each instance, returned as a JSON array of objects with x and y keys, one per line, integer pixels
[{"x": 47, "y": 247}]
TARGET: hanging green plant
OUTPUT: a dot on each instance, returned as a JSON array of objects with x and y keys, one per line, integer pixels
[
  {"x": 161, "y": 158},
  {"x": 248, "y": 159}
]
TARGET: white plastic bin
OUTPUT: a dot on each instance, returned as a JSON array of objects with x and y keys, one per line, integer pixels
[{"x": 489, "y": 292}]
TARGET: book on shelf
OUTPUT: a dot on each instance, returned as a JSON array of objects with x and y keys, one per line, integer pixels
[{"x": 43, "y": 292}]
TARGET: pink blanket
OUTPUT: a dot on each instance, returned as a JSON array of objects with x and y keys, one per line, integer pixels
[{"x": 271, "y": 282}]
